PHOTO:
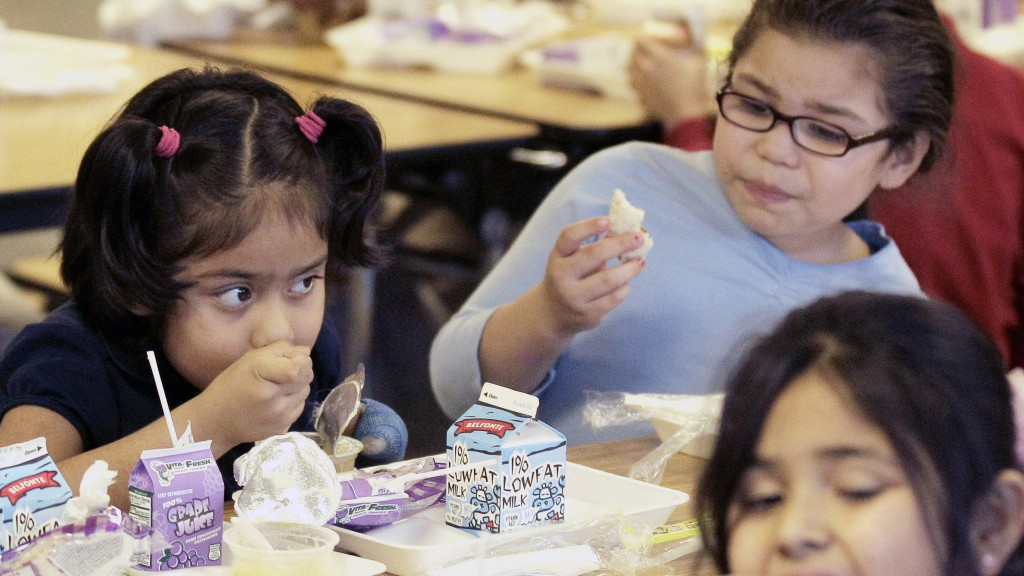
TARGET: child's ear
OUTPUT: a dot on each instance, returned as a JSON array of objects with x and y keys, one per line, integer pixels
[
  {"x": 997, "y": 522},
  {"x": 903, "y": 161}
]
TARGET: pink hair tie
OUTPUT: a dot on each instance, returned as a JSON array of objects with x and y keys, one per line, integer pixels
[
  {"x": 312, "y": 126},
  {"x": 168, "y": 144}
]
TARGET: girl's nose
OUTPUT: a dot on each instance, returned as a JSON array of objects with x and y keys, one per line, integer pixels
[
  {"x": 271, "y": 323},
  {"x": 777, "y": 146},
  {"x": 803, "y": 528}
]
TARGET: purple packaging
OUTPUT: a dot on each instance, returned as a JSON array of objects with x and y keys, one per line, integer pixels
[
  {"x": 32, "y": 493},
  {"x": 995, "y": 12},
  {"x": 372, "y": 499},
  {"x": 363, "y": 507},
  {"x": 179, "y": 493}
]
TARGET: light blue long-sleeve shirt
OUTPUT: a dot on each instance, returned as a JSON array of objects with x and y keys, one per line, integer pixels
[{"x": 711, "y": 283}]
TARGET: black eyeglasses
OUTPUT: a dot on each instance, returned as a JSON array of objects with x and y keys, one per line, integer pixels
[{"x": 809, "y": 133}]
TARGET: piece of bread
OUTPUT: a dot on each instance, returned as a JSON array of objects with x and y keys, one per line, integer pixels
[{"x": 628, "y": 219}]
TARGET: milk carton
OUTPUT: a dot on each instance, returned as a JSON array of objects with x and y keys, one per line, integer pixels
[
  {"x": 32, "y": 493},
  {"x": 179, "y": 492},
  {"x": 525, "y": 484}
]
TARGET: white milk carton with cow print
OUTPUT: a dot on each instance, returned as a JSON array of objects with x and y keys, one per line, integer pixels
[{"x": 521, "y": 477}]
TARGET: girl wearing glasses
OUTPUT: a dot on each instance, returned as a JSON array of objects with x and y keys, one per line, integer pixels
[
  {"x": 964, "y": 247},
  {"x": 825, "y": 101}
]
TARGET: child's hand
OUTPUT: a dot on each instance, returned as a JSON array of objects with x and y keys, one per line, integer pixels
[
  {"x": 382, "y": 432},
  {"x": 669, "y": 80},
  {"x": 1016, "y": 378},
  {"x": 263, "y": 392},
  {"x": 578, "y": 289}
]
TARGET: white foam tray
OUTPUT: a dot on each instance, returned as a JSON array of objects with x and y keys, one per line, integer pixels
[{"x": 423, "y": 540}]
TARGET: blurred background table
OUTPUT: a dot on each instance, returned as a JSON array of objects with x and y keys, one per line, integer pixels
[
  {"x": 44, "y": 137},
  {"x": 517, "y": 93},
  {"x": 572, "y": 124}
]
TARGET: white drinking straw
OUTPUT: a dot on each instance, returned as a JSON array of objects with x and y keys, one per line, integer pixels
[{"x": 163, "y": 397}]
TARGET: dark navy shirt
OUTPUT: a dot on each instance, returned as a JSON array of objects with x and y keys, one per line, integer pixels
[{"x": 105, "y": 389}]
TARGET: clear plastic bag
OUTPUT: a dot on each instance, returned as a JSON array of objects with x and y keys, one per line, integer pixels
[
  {"x": 681, "y": 420},
  {"x": 611, "y": 545},
  {"x": 100, "y": 544}
]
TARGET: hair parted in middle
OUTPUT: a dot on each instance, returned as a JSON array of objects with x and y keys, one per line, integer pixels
[
  {"x": 906, "y": 364},
  {"x": 135, "y": 216}
]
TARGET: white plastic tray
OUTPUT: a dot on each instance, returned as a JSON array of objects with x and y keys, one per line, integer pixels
[{"x": 423, "y": 540}]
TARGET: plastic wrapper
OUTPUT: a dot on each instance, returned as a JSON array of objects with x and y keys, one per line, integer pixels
[
  {"x": 99, "y": 545},
  {"x": 153, "y": 21},
  {"x": 590, "y": 64},
  {"x": 685, "y": 422},
  {"x": 384, "y": 495},
  {"x": 470, "y": 37},
  {"x": 93, "y": 497},
  {"x": 612, "y": 544},
  {"x": 94, "y": 539},
  {"x": 286, "y": 478}
]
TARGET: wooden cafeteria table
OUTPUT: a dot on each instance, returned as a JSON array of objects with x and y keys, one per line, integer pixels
[
  {"x": 42, "y": 139},
  {"x": 516, "y": 94},
  {"x": 682, "y": 472},
  {"x": 571, "y": 124}
]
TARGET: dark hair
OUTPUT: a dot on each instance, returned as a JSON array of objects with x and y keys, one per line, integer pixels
[
  {"x": 917, "y": 369},
  {"x": 914, "y": 54},
  {"x": 134, "y": 216}
]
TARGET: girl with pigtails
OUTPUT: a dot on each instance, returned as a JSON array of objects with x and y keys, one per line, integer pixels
[{"x": 207, "y": 222}]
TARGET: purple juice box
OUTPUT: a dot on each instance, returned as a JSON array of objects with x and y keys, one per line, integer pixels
[
  {"x": 179, "y": 493},
  {"x": 32, "y": 493}
]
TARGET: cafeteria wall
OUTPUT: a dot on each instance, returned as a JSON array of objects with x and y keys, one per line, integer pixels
[{"x": 70, "y": 17}]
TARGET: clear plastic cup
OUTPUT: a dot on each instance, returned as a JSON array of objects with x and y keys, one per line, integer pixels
[
  {"x": 344, "y": 453},
  {"x": 298, "y": 550}
]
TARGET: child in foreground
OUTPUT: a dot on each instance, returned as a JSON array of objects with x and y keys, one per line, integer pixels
[
  {"x": 868, "y": 434},
  {"x": 207, "y": 222}
]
